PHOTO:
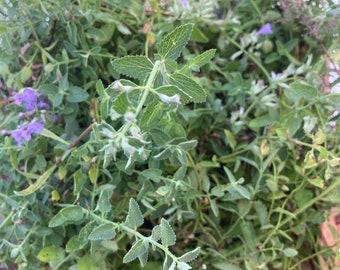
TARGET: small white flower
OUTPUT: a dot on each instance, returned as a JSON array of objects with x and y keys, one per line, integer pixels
[
  {"x": 119, "y": 86},
  {"x": 129, "y": 117},
  {"x": 175, "y": 99}
]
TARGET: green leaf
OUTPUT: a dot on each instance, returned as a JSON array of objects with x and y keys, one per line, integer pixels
[
  {"x": 87, "y": 263},
  {"x": 104, "y": 231},
  {"x": 169, "y": 263},
  {"x": 249, "y": 235},
  {"x": 100, "y": 88},
  {"x": 79, "y": 180},
  {"x": 70, "y": 214},
  {"x": 183, "y": 266},
  {"x": 191, "y": 90},
  {"x": 303, "y": 197},
  {"x": 3, "y": 29},
  {"x": 75, "y": 243},
  {"x": 261, "y": 121},
  {"x": 96, "y": 34},
  {"x": 51, "y": 254},
  {"x": 172, "y": 45},
  {"x": 201, "y": 60},
  {"x": 120, "y": 105},
  {"x": 26, "y": 73},
  {"x": 317, "y": 182},
  {"x": 290, "y": 252},
  {"x": 170, "y": 90},
  {"x": 198, "y": 36},
  {"x": 143, "y": 258},
  {"x": 168, "y": 236},
  {"x": 134, "y": 218},
  {"x": 49, "y": 134},
  {"x": 152, "y": 174},
  {"x": 104, "y": 204},
  {"x": 137, "y": 250},
  {"x": 151, "y": 114},
  {"x": 240, "y": 190},
  {"x": 190, "y": 256},
  {"x": 159, "y": 136},
  {"x": 188, "y": 145},
  {"x": 37, "y": 184},
  {"x": 156, "y": 234},
  {"x": 214, "y": 207},
  {"x": 297, "y": 91},
  {"x": 77, "y": 94},
  {"x": 137, "y": 66},
  {"x": 261, "y": 212}
]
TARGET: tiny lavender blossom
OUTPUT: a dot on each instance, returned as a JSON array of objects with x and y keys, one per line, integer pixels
[
  {"x": 266, "y": 30},
  {"x": 184, "y": 3},
  {"x": 28, "y": 99},
  {"x": 26, "y": 131}
]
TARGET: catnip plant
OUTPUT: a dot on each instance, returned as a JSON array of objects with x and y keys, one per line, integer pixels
[{"x": 144, "y": 111}]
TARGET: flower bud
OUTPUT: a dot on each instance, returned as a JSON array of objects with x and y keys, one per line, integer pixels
[
  {"x": 175, "y": 99},
  {"x": 129, "y": 117},
  {"x": 119, "y": 86}
]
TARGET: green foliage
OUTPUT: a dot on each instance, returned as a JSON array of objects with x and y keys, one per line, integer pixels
[{"x": 176, "y": 136}]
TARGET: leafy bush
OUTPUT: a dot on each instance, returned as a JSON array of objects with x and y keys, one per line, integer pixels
[{"x": 180, "y": 133}]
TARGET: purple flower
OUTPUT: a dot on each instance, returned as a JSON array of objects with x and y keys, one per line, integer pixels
[
  {"x": 26, "y": 131},
  {"x": 266, "y": 30},
  {"x": 184, "y": 3},
  {"x": 28, "y": 99},
  {"x": 43, "y": 105}
]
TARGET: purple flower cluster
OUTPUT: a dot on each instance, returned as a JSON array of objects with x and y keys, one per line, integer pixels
[
  {"x": 29, "y": 99},
  {"x": 266, "y": 30},
  {"x": 26, "y": 131}
]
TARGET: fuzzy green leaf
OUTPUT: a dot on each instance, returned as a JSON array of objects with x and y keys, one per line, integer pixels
[
  {"x": 100, "y": 88},
  {"x": 297, "y": 91},
  {"x": 170, "y": 90},
  {"x": 137, "y": 66},
  {"x": 172, "y": 45},
  {"x": 77, "y": 94},
  {"x": 57, "y": 220},
  {"x": 249, "y": 236},
  {"x": 152, "y": 174},
  {"x": 104, "y": 204},
  {"x": 70, "y": 214},
  {"x": 138, "y": 249},
  {"x": 51, "y": 254},
  {"x": 37, "y": 184},
  {"x": 156, "y": 234},
  {"x": 193, "y": 92},
  {"x": 169, "y": 263},
  {"x": 151, "y": 114},
  {"x": 134, "y": 218},
  {"x": 290, "y": 252},
  {"x": 168, "y": 236},
  {"x": 143, "y": 258},
  {"x": 104, "y": 231},
  {"x": 75, "y": 243},
  {"x": 261, "y": 212},
  {"x": 190, "y": 256},
  {"x": 202, "y": 59},
  {"x": 121, "y": 104},
  {"x": 183, "y": 266},
  {"x": 159, "y": 136}
]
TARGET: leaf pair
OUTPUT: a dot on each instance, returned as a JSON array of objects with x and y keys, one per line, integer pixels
[{"x": 169, "y": 49}]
